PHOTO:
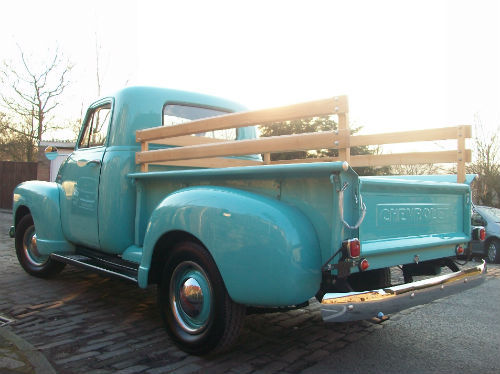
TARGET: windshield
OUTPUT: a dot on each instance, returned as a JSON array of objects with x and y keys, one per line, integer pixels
[
  {"x": 175, "y": 114},
  {"x": 493, "y": 213}
]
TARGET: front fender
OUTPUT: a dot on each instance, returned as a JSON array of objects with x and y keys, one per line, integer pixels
[
  {"x": 266, "y": 251},
  {"x": 42, "y": 199}
]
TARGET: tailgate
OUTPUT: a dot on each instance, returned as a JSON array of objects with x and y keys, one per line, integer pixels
[{"x": 409, "y": 218}]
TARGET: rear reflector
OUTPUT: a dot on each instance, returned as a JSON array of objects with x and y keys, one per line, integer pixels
[{"x": 363, "y": 264}]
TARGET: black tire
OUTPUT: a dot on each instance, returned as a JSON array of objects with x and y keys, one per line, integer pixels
[
  {"x": 195, "y": 307},
  {"x": 493, "y": 251},
  {"x": 27, "y": 254}
]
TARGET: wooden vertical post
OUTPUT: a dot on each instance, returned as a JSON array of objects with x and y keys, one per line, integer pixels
[
  {"x": 344, "y": 153},
  {"x": 460, "y": 154},
  {"x": 144, "y": 148},
  {"x": 267, "y": 158}
]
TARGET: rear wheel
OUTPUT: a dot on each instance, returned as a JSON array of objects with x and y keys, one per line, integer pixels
[
  {"x": 493, "y": 251},
  {"x": 27, "y": 253},
  {"x": 197, "y": 311}
]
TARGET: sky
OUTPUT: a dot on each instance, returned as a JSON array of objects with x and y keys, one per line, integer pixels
[{"x": 403, "y": 64}]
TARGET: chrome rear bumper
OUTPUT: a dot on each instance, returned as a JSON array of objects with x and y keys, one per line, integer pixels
[{"x": 354, "y": 306}]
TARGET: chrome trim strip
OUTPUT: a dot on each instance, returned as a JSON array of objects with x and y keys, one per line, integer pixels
[
  {"x": 354, "y": 306},
  {"x": 76, "y": 262}
]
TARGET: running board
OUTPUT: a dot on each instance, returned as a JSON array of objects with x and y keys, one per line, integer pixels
[{"x": 115, "y": 267}]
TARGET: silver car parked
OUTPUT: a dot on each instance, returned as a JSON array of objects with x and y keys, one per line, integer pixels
[{"x": 489, "y": 218}]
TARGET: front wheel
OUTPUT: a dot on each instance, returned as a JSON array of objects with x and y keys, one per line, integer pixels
[
  {"x": 493, "y": 251},
  {"x": 197, "y": 311},
  {"x": 31, "y": 260}
]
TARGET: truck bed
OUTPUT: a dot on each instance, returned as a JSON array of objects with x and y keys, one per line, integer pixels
[{"x": 404, "y": 217}]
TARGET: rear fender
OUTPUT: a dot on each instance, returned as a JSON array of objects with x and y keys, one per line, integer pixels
[
  {"x": 42, "y": 200},
  {"x": 267, "y": 252}
]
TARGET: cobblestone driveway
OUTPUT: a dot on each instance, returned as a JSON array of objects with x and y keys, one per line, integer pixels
[{"x": 87, "y": 323}]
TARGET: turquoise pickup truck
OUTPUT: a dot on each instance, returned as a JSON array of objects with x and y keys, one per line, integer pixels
[{"x": 218, "y": 234}]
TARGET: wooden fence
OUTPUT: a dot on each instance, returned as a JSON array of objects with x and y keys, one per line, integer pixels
[
  {"x": 200, "y": 151},
  {"x": 11, "y": 174}
]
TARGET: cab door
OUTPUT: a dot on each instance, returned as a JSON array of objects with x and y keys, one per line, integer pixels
[{"x": 80, "y": 178}]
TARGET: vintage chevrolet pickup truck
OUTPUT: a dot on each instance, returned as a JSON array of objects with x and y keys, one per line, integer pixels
[{"x": 176, "y": 189}]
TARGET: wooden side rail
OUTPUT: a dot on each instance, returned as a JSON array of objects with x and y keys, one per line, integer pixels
[
  {"x": 180, "y": 135},
  {"x": 284, "y": 143},
  {"x": 201, "y": 151}
]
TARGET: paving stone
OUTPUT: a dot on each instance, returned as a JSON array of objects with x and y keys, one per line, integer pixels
[
  {"x": 133, "y": 369},
  {"x": 79, "y": 357},
  {"x": 54, "y": 344},
  {"x": 104, "y": 356},
  {"x": 241, "y": 369},
  {"x": 273, "y": 367},
  {"x": 318, "y": 355},
  {"x": 61, "y": 331},
  {"x": 191, "y": 368},
  {"x": 355, "y": 336},
  {"x": 96, "y": 346},
  {"x": 298, "y": 366},
  {"x": 119, "y": 344},
  {"x": 294, "y": 354},
  {"x": 318, "y": 344},
  {"x": 126, "y": 363},
  {"x": 106, "y": 338},
  {"x": 174, "y": 366}
]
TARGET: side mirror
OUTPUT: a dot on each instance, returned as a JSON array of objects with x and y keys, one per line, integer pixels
[{"x": 51, "y": 152}]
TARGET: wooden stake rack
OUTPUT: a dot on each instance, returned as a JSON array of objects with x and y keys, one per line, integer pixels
[{"x": 201, "y": 151}]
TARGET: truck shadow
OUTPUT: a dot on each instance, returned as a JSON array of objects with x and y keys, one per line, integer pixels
[{"x": 83, "y": 321}]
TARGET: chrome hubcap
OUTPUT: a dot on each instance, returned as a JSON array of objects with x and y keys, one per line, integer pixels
[
  {"x": 31, "y": 249},
  {"x": 191, "y": 297}
]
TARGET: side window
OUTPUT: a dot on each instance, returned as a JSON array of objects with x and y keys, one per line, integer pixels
[
  {"x": 96, "y": 127},
  {"x": 175, "y": 114}
]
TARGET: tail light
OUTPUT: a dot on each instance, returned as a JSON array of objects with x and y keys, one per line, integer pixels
[
  {"x": 460, "y": 251},
  {"x": 482, "y": 234},
  {"x": 479, "y": 233},
  {"x": 353, "y": 248}
]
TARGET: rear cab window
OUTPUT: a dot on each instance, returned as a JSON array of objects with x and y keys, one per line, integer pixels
[{"x": 176, "y": 114}]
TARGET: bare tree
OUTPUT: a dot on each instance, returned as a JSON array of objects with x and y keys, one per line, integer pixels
[
  {"x": 31, "y": 93},
  {"x": 98, "y": 48},
  {"x": 486, "y": 165},
  {"x": 15, "y": 144},
  {"x": 416, "y": 169}
]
